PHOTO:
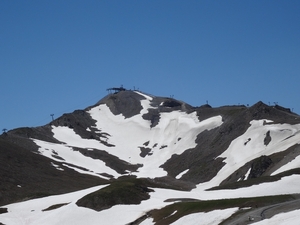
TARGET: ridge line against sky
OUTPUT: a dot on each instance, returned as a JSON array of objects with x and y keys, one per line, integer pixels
[{"x": 59, "y": 56}]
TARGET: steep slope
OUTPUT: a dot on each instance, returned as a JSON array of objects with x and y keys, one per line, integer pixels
[
  {"x": 246, "y": 134},
  {"x": 161, "y": 151},
  {"x": 26, "y": 175},
  {"x": 122, "y": 134}
]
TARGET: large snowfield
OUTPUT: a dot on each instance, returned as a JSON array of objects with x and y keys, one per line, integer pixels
[
  {"x": 31, "y": 212},
  {"x": 167, "y": 138}
]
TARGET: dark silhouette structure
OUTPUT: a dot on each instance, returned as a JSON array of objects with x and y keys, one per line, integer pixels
[{"x": 116, "y": 90}]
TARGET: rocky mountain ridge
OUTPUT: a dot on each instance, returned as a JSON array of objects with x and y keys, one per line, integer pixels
[{"x": 138, "y": 142}]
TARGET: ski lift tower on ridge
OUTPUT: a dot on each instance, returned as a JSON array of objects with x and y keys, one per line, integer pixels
[{"x": 115, "y": 89}]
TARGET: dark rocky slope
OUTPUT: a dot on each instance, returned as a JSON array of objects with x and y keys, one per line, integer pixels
[{"x": 25, "y": 174}]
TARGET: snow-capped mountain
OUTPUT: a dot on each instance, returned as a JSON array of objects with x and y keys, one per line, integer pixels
[{"x": 134, "y": 158}]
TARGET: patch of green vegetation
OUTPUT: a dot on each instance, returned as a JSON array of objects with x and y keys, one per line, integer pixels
[
  {"x": 122, "y": 191},
  {"x": 171, "y": 213}
]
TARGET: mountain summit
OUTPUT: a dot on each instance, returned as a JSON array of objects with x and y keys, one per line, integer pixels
[{"x": 152, "y": 160}]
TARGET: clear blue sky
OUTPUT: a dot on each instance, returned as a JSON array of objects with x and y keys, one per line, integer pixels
[{"x": 58, "y": 56}]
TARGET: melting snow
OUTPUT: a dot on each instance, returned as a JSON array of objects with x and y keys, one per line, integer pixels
[
  {"x": 209, "y": 218},
  {"x": 31, "y": 212},
  {"x": 291, "y": 165},
  {"x": 68, "y": 155},
  {"x": 181, "y": 174},
  {"x": 282, "y": 219},
  {"x": 283, "y": 136},
  {"x": 136, "y": 131}
]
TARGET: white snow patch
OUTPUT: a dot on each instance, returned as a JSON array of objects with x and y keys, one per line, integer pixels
[
  {"x": 292, "y": 217},
  {"x": 247, "y": 174},
  {"x": 181, "y": 174},
  {"x": 295, "y": 163},
  {"x": 57, "y": 166},
  {"x": 67, "y": 154},
  {"x": 208, "y": 218},
  {"x": 68, "y": 136},
  {"x": 173, "y": 213},
  {"x": 283, "y": 136},
  {"x": 83, "y": 171},
  {"x": 127, "y": 135},
  {"x": 30, "y": 212},
  {"x": 286, "y": 185},
  {"x": 144, "y": 95},
  {"x": 135, "y": 131}
]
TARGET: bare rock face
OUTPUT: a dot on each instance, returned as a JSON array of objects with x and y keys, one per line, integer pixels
[
  {"x": 259, "y": 166},
  {"x": 25, "y": 173},
  {"x": 268, "y": 138},
  {"x": 127, "y": 103}
]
